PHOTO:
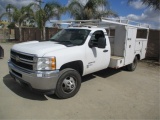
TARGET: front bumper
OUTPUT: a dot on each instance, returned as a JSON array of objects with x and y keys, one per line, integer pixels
[{"x": 44, "y": 81}]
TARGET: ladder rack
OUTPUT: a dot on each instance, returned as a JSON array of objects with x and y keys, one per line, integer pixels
[
  {"x": 100, "y": 22},
  {"x": 125, "y": 22}
]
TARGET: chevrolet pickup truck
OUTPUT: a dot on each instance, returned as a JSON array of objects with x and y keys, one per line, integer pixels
[{"x": 57, "y": 66}]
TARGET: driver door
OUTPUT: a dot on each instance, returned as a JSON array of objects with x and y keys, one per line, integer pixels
[{"x": 97, "y": 58}]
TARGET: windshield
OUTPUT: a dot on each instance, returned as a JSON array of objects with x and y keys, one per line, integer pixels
[{"x": 71, "y": 36}]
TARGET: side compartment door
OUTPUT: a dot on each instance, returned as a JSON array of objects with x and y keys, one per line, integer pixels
[
  {"x": 130, "y": 45},
  {"x": 97, "y": 58},
  {"x": 144, "y": 49}
]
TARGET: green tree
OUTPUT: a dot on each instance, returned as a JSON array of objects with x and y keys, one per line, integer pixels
[
  {"x": 150, "y": 3},
  {"x": 29, "y": 22},
  {"x": 18, "y": 15},
  {"x": 42, "y": 15},
  {"x": 93, "y": 9}
]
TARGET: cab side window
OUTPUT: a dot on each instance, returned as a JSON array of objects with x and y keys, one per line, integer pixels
[{"x": 95, "y": 36}]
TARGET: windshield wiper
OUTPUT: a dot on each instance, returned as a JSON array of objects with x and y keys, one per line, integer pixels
[
  {"x": 54, "y": 40},
  {"x": 65, "y": 41}
]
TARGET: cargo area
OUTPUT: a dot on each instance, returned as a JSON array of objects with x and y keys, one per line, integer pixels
[{"x": 126, "y": 41}]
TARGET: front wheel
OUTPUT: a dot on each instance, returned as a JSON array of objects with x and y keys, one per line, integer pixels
[
  {"x": 132, "y": 66},
  {"x": 68, "y": 84}
]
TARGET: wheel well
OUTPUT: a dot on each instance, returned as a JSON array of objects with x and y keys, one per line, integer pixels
[
  {"x": 138, "y": 56},
  {"x": 76, "y": 65}
]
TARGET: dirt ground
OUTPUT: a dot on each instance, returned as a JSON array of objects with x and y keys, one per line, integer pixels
[{"x": 107, "y": 94}]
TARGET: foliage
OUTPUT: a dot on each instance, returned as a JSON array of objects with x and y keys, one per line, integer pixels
[
  {"x": 150, "y": 3},
  {"x": 1, "y": 25},
  {"x": 93, "y": 9},
  {"x": 28, "y": 16},
  {"x": 42, "y": 15},
  {"x": 11, "y": 25},
  {"x": 18, "y": 15}
]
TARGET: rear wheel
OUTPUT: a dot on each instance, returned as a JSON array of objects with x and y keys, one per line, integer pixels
[
  {"x": 68, "y": 84},
  {"x": 132, "y": 66}
]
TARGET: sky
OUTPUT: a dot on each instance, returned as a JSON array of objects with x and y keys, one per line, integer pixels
[{"x": 135, "y": 11}]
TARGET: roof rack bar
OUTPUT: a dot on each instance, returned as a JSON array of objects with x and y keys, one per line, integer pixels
[
  {"x": 69, "y": 21},
  {"x": 101, "y": 21},
  {"x": 129, "y": 22}
]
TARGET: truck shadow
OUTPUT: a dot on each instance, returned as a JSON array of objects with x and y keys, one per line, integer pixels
[
  {"x": 28, "y": 94},
  {"x": 18, "y": 90},
  {"x": 102, "y": 73}
]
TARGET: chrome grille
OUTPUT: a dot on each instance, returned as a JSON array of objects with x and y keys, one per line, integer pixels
[
  {"x": 23, "y": 60},
  {"x": 22, "y": 55}
]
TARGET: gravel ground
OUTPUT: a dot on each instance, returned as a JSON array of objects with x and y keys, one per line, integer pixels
[{"x": 107, "y": 94}]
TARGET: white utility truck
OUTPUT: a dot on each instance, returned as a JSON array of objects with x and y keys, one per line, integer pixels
[{"x": 87, "y": 46}]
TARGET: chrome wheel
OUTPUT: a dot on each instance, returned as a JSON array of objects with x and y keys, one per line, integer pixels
[{"x": 68, "y": 84}]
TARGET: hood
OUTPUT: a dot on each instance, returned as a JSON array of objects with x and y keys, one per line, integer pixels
[{"x": 38, "y": 48}]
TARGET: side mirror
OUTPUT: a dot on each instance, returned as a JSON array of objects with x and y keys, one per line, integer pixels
[
  {"x": 90, "y": 44},
  {"x": 101, "y": 42}
]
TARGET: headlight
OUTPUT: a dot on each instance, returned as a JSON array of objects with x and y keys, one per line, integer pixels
[{"x": 46, "y": 63}]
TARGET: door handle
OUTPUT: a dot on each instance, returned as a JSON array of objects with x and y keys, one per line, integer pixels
[{"x": 105, "y": 50}]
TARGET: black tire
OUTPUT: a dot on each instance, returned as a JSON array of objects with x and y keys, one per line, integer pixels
[
  {"x": 132, "y": 66},
  {"x": 68, "y": 84}
]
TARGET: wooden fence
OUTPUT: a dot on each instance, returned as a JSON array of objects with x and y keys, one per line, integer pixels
[
  {"x": 29, "y": 34},
  {"x": 4, "y": 34},
  {"x": 153, "y": 46}
]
